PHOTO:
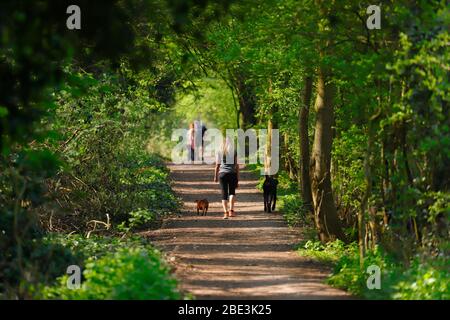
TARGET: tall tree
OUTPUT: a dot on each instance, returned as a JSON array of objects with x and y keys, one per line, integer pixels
[
  {"x": 326, "y": 218},
  {"x": 325, "y": 213},
  {"x": 303, "y": 121}
]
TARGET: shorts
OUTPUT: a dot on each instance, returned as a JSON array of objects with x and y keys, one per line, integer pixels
[{"x": 228, "y": 182}]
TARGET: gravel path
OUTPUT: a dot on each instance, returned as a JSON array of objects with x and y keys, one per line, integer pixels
[{"x": 247, "y": 257}]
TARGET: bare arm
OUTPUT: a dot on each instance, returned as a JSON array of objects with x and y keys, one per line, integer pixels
[
  {"x": 216, "y": 172},
  {"x": 237, "y": 172}
]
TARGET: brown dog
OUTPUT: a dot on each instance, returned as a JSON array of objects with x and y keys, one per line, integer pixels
[{"x": 203, "y": 206}]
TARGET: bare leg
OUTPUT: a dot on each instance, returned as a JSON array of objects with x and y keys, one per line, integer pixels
[
  {"x": 232, "y": 200},
  {"x": 225, "y": 205},
  {"x": 203, "y": 150},
  {"x": 225, "y": 208}
]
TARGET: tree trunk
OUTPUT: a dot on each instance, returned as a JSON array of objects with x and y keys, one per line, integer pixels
[
  {"x": 363, "y": 231},
  {"x": 236, "y": 108},
  {"x": 290, "y": 165},
  {"x": 268, "y": 151},
  {"x": 305, "y": 180},
  {"x": 325, "y": 213},
  {"x": 247, "y": 102}
]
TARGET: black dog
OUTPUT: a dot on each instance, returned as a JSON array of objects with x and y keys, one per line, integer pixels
[{"x": 270, "y": 193}]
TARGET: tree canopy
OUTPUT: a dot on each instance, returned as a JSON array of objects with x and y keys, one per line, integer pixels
[{"x": 86, "y": 118}]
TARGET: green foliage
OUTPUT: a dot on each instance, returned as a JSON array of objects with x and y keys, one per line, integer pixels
[
  {"x": 293, "y": 211},
  {"x": 42, "y": 262},
  {"x": 148, "y": 196},
  {"x": 75, "y": 116},
  {"x": 422, "y": 278},
  {"x": 93, "y": 247},
  {"x": 348, "y": 156},
  {"x": 349, "y": 275},
  {"x": 212, "y": 102},
  {"x": 24, "y": 259},
  {"x": 108, "y": 170},
  {"x": 328, "y": 253},
  {"x": 138, "y": 218},
  {"x": 285, "y": 184},
  {"x": 117, "y": 270},
  {"x": 82, "y": 117},
  {"x": 88, "y": 162}
]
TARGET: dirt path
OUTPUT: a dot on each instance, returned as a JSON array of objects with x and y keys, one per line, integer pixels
[{"x": 247, "y": 257}]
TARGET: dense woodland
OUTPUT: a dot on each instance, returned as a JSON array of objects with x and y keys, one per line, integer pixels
[{"x": 86, "y": 118}]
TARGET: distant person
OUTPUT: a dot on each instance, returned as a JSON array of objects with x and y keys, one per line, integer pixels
[
  {"x": 226, "y": 172},
  {"x": 203, "y": 140},
  {"x": 197, "y": 125},
  {"x": 198, "y": 129},
  {"x": 191, "y": 142}
]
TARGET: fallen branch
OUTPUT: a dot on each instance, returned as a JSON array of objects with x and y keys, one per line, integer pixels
[{"x": 107, "y": 225}]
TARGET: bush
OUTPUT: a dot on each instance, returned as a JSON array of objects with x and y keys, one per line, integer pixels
[
  {"x": 293, "y": 211},
  {"x": 95, "y": 246},
  {"x": 127, "y": 269},
  {"x": 349, "y": 275},
  {"x": 107, "y": 167},
  {"x": 327, "y": 253},
  {"x": 423, "y": 278},
  {"x": 148, "y": 195},
  {"x": 40, "y": 263}
]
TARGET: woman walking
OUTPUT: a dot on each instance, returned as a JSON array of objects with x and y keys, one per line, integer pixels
[
  {"x": 191, "y": 142},
  {"x": 226, "y": 172}
]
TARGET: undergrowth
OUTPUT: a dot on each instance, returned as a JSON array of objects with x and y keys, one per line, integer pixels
[
  {"x": 129, "y": 269},
  {"x": 422, "y": 276}
]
